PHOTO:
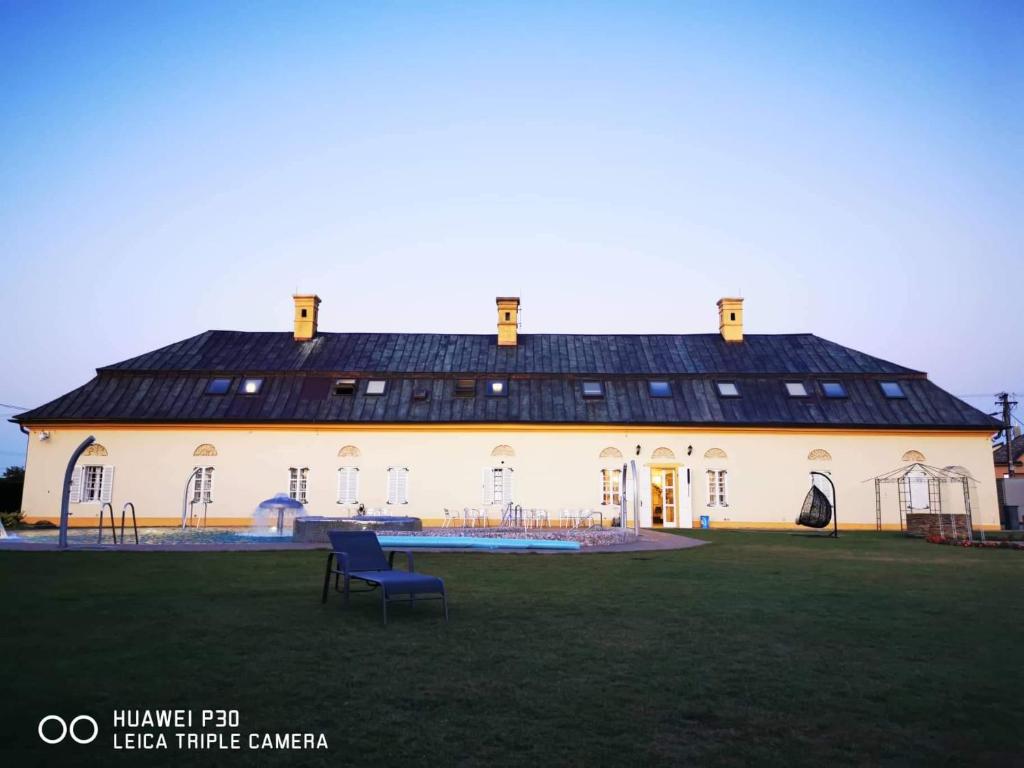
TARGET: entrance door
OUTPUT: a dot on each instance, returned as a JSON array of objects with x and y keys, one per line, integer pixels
[{"x": 665, "y": 496}]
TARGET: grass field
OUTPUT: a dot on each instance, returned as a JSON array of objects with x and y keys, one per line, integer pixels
[{"x": 763, "y": 648}]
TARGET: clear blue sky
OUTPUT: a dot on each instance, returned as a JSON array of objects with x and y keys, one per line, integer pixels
[{"x": 855, "y": 169}]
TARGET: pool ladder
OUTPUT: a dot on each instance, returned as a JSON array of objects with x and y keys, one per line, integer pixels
[
  {"x": 512, "y": 517},
  {"x": 113, "y": 530}
]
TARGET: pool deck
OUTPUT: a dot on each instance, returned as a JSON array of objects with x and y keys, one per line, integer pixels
[{"x": 649, "y": 541}]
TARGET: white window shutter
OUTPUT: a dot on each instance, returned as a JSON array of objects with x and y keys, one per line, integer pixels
[
  {"x": 209, "y": 483},
  {"x": 403, "y": 485},
  {"x": 107, "y": 484},
  {"x": 398, "y": 485},
  {"x": 348, "y": 485},
  {"x": 506, "y": 485},
  {"x": 75, "y": 497},
  {"x": 487, "y": 485}
]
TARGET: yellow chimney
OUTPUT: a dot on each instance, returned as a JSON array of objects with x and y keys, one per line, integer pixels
[
  {"x": 508, "y": 320},
  {"x": 730, "y": 319},
  {"x": 307, "y": 307}
]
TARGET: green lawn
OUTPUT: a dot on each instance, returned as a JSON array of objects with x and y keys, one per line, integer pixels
[{"x": 762, "y": 648}]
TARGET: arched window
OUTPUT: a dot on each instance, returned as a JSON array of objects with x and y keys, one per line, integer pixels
[
  {"x": 663, "y": 453},
  {"x": 349, "y": 451},
  {"x": 95, "y": 450},
  {"x": 503, "y": 450},
  {"x": 715, "y": 453},
  {"x": 913, "y": 456},
  {"x": 205, "y": 449},
  {"x": 610, "y": 453},
  {"x": 819, "y": 454}
]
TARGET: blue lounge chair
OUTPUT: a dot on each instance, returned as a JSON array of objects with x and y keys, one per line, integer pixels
[{"x": 357, "y": 555}]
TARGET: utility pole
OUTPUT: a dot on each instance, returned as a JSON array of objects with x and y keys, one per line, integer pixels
[{"x": 1004, "y": 400}]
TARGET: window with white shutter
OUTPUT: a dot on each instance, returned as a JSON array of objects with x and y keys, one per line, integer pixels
[
  {"x": 96, "y": 484},
  {"x": 398, "y": 485},
  {"x": 497, "y": 485},
  {"x": 611, "y": 486},
  {"x": 202, "y": 489},
  {"x": 348, "y": 485},
  {"x": 717, "y": 488},
  {"x": 298, "y": 479}
]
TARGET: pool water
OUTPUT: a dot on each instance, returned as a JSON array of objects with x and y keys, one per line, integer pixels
[{"x": 88, "y": 536}]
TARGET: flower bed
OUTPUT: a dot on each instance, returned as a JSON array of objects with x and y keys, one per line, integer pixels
[{"x": 990, "y": 544}]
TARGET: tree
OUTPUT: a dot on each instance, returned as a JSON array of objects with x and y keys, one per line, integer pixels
[{"x": 16, "y": 474}]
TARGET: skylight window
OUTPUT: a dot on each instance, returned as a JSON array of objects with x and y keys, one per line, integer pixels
[
  {"x": 659, "y": 388},
  {"x": 796, "y": 389},
  {"x": 345, "y": 387},
  {"x": 218, "y": 386},
  {"x": 892, "y": 389},
  {"x": 497, "y": 388},
  {"x": 728, "y": 389},
  {"x": 376, "y": 386},
  {"x": 465, "y": 387},
  {"x": 421, "y": 394},
  {"x": 251, "y": 386},
  {"x": 833, "y": 389},
  {"x": 593, "y": 389}
]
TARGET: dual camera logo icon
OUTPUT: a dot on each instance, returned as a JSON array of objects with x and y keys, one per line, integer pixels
[{"x": 78, "y": 729}]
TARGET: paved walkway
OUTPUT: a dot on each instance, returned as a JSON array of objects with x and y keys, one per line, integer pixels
[{"x": 649, "y": 541}]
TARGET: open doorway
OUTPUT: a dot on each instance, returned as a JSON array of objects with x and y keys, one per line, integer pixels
[{"x": 665, "y": 496}]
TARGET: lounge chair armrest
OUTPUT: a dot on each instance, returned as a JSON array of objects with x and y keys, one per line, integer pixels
[{"x": 408, "y": 558}]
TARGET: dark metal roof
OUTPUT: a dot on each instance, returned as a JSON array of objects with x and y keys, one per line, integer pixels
[
  {"x": 535, "y": 353},
  {"x": 999, "y": 453},
  {"x": 544, "y": 375}
]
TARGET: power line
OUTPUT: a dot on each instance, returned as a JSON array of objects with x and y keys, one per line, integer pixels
[{"x": 13, "y": 407}]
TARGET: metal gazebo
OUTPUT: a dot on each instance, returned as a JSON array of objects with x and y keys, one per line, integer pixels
[{"x": 916, "y": 483}]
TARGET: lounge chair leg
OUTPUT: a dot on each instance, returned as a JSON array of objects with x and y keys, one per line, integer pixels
[
  {"x": 444, "y": 600},
  {"x": 384, "y": 604},
  {"x": 346, "y": 590},
  {"x": 327, "y": 578}
]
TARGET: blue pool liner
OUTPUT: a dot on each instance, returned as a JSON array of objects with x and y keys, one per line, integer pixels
[{"x": 471, "y": 542}]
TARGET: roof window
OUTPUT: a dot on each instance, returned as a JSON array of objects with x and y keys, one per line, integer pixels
[
  {"x": 345, "y": 386},
  {"x": 892, "y": 389},
  {"x": 796, "y": 389},
  {"x": 728, "y": 389},
  {"x": 659, "y": 388},
  {"x": 593, "y": 389},
  {"x": 218, "y": 386},
  {"x": 833, "y": 389}
]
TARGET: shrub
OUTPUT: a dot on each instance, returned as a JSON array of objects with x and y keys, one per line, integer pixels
[{"x": 12, "y": 519}]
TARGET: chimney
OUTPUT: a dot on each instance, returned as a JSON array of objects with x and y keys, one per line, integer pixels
[
  {"x": 508, "y": 320},
  {"x": 307, "y": 307},
  {"x": 730, "y": 319}
]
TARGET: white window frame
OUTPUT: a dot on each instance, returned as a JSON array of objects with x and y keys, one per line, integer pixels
[
  {"x": 611, "y": 486},
  {"x": 298, "y": 484},
  {"x": 398, "y": 481},
  {"x": 352, "y": 485},
  {"x": 92, "y": 484},
  {"x": 202, "y": 489},
  {"x": 717, "y": 487}
]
